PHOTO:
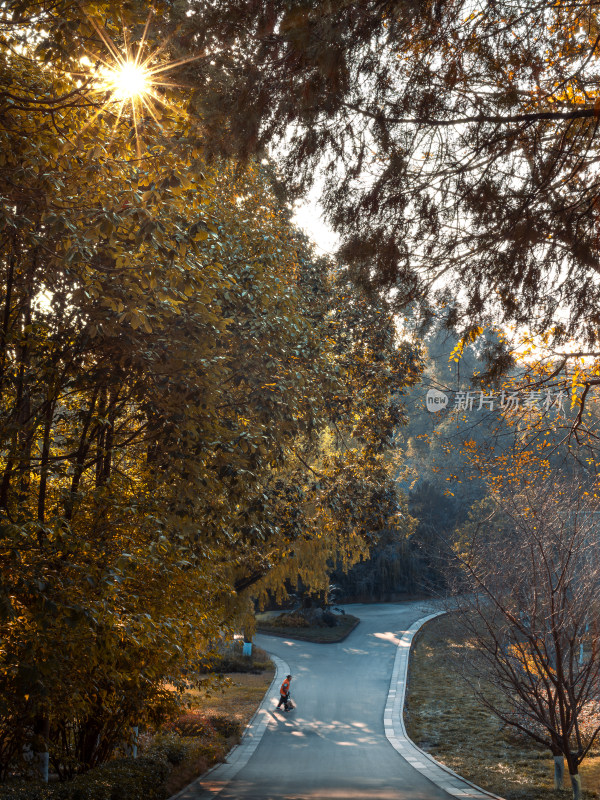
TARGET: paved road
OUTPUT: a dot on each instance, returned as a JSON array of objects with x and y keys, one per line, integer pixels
[{"x": 333, "y": 745}]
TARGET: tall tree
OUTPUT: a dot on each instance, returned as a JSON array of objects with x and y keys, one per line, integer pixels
[
  {"x": 458, "y": 140},
  {"x": 173, "y": 363}
]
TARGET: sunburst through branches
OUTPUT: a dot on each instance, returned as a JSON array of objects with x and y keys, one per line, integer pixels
[
  {"x": 131, "y": 77},
  {"x": 128, "y": 81}
]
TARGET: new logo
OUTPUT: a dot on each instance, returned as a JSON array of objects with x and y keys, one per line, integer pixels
[{"x": 436, "y": 400}]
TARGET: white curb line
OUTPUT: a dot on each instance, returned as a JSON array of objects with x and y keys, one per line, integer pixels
[
  {"x": 216, "y": 779},
  {"x": 395, "y": 731}
]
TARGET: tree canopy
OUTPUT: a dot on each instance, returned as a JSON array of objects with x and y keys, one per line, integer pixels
[
  {"x": 457, "y": 140},
  {"x": 193, "y": 408}
]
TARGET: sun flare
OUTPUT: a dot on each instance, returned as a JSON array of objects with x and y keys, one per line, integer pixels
[
  {"x": 132, "y": 80},
  {"x": 128, "y": 81}
]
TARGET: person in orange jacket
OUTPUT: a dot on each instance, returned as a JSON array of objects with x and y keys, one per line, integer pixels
[{"x": 284, "y": 692}]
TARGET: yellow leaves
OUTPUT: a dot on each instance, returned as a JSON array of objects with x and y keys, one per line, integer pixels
[
  {"x": 137, "y": 321},
  {"x": 199, "y": 400},
  {"x": 572, "y": 95},
  {"x": 469, "y": 337},
  {"x": 176, "y": 189},
  {"x": 115, "y": 305},
  {"x": 106, "y": 228},
  {"x": 575, "y": 385}
]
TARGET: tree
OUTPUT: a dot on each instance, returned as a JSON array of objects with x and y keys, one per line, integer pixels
[
  {"x": 175, "y": 369},
  {"x": 434, "y": 443},
  {"x": 527, "y": 597},
  {"x": 458, "y": 141},
  {"x": 339, "y": 488}
]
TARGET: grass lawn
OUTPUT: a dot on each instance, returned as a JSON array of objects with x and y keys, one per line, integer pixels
[
  {"x": 443, "y": 718},
  {"x": 346, "y": 624}
]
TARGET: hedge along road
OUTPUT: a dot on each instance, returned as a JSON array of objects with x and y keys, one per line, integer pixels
[{"x": 333, "y": 745}]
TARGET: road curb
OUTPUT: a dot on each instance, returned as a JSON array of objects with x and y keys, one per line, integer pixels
[
  {"x": 395, "y": 730},
  {"x": 212, "y": 782}
]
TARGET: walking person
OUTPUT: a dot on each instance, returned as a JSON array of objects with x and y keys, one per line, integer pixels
[{"x": 284, "y": 693}]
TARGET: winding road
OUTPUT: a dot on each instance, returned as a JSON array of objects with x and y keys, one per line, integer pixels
[{"x": 334, "y": 746}]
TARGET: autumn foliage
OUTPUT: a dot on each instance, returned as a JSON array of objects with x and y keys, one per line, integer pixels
[{"x": 192, "y": 407}]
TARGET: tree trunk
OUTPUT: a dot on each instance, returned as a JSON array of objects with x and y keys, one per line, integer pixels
[
  {"x": 49, "y": 417},
  {"x": 41, "y": 732},
  {"x": 109, "y": 439},
  {"x": 26, "y": 428},
  {"x": 6, "y": 477},
  {"x": 576, "y": 786},
  {"x": 7, "y": 311},
  {"x": 559, "y": 771},
  {"x": 82, "y": 449},
  {"x": 100, "y": 454}
]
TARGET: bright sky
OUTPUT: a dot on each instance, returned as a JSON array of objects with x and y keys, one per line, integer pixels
[{"x": 308, "y": 217}]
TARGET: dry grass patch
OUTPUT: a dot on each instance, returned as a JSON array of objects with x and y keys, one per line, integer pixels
[
  {"x": 236, "y": 700},
  {"x": 443, "y": 717}
]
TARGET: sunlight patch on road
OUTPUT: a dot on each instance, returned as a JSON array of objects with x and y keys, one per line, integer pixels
[
  {"x": 394, "y": 638},
  {"x": 359, "y": 733}
]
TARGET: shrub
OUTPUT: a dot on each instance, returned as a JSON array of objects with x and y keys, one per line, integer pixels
[
  {"x": 170, "y": 747},
  {"x": 225, "y": 726},
  {"x": 12, "y": 739},
  {"x": 191, "y": 724},
  {"x": 235, "y": 663},
  {"x": 232, "y": 659},
  {"x": 121, "y": 779},
  {"x": 309, "y": 618},
  {"x": 293, "y": 620},
  {"x": 195, "y": 724},
  {"x": 25, "y": 791},
  {"x": 329, "y": 619}
]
